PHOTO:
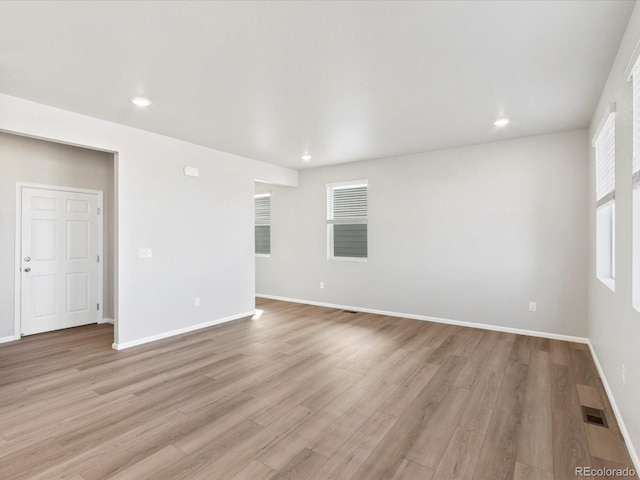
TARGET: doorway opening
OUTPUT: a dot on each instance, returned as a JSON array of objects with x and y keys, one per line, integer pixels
[{"x": 62, "y": 198}]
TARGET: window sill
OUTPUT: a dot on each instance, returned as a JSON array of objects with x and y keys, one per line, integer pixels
[
  {"x": 608, "y": 282},
  {"x": 263, "y": 255},
  {"x": 348, "y": 259}
]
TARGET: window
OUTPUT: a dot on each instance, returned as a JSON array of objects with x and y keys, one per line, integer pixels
[
  {"x": 605, "y": 145},
  {"x": 263, "y": 224},
  {"x": 635, "y": 173},
  {"x": 347, "y": 210}
]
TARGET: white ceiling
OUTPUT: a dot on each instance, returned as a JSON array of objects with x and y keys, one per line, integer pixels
[{"x": 344, "y": 81}]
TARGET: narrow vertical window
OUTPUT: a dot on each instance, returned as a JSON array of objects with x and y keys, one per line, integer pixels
[
  {"x": 605, "y": 146},
  {"x": 263, "y": 224},
  {"x": 347, "y": 219}
]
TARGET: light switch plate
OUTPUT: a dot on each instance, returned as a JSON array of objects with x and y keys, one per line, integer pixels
[{"x": 145, "y": 253}]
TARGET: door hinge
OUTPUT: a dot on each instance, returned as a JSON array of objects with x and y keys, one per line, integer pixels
[
  {"x": 98, "y": 306},
  {"x": 98, "y": 258},
  {"x": 98, "y": 210}
]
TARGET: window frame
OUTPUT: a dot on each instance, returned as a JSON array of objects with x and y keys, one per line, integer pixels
[
  {"x": 330, "y": 189},
  {"x": 261, "y": 223},
  {"x": 605, "y": 201}
]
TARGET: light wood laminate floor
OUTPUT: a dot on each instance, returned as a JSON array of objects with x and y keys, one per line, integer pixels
[{"x": 302, "y": 392}]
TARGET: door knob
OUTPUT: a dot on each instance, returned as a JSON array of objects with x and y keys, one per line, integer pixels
[
  {"x": 27, "y": 269},
  {"x": 27, "y": 259}
]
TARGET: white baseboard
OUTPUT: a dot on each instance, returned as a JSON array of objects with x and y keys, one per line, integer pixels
[
  {"x": 460, "y": 323},
  {"x": 106, "y": 320},
  {"x": 616, "y": 411},
  {"x": 180, "y": 331},
  {"x": 11, "y": 338}
]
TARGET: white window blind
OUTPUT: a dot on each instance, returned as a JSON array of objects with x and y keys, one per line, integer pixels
[
  {"x": 350, "y": 205},
  {"x": 605, "y": 145},
  {"x": 263, "y": 224},
  {"x": 636, "y": 123},
  {"x": 347, "y": 209}
]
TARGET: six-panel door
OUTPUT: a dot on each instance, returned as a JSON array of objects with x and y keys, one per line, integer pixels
[{"x": 59, "y": 260}]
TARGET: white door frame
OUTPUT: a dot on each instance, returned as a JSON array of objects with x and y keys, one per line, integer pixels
[{"x": 18, "y": 247}]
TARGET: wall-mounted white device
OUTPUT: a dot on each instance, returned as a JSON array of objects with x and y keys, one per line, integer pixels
[{"x": 191, "y": 172}]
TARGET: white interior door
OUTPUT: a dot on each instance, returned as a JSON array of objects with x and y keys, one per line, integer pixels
[{"x": 59, "y": 260}]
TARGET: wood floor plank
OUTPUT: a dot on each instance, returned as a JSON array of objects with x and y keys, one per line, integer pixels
[
  {"x": 472, "y": 369},
  {"x": 379, "y": 374},
  {"x": 513, "y": 388},
  {"x": 584, "y": 370},
  {"x": 353, "y": 453},
  {"x": 301, "y": 467},
  {"x": 540, "y": 370},
  {"x": 254, "y": 471},
  {"x": 297, "y": 395},
  {"x": 286, "y": 448},
  {"x": 318, "y": 399},
  {"x": 433, "y": 440},
  {"x": 600, "y": 463},
  {"x": 209, "y": 451},
  {"x": 522, "y": 349},
  {"x": 589, "y": 397},
  {"x": 461, "y": 455},
  {"x": 482, "y": 401},
  {"x": 499, "y": 356},
  {"x": 344, "y": 401},
  {"x": 124, "y": 450},
  {"x": 559, "y": 351},
  {"x": 28, "y": 462},
  {"x": 404, "y": 396},
  {"x": 302, "y": 392},
  {"x": 411, "y": 471},
  {"x": 604, "y": 443},
  {"x": 234, "y": 460},
  {"x": 569, "y": 438},
  {"x": 527, "y": 472},
  {"x": 345, "y": 426},
  {"x": 489, "y": 340},
  {"x": 389, "y": 454},
  {"x": 408, "y": 367},
  {"x": 498, "y": 456},
  {"x": 535, "y": 446},
  {"x": 448, "y": 347},
  {"x": 150, "y": 466}
]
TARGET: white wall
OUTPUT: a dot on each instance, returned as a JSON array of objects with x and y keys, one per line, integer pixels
[
  {"x": 614, "y": 325},
  {"x": 470, "y": 234},
  {"x": 200, "y": 229},
  {"x": 25, "y": 159}
]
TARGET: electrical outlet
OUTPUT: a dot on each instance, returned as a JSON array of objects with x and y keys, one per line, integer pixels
[
  {"x": 197, "y": 302},
  {"x": 624, "y": 375},
  {"x": 321, "y": 284},
  {"x": 533, "y": 306}
]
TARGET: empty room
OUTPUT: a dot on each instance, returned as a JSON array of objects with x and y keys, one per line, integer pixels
[{"x": 319, "y": 240}]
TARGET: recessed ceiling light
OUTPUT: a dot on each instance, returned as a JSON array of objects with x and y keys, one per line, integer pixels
[
  {"x": 306, "y": 157},
  {"x": 141, "y": 101},
  {"x": 501, "y": 122}
]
